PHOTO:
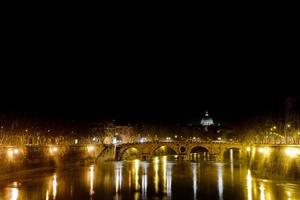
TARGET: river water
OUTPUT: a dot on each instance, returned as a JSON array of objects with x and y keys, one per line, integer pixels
[{"x": 158, "y": 179}]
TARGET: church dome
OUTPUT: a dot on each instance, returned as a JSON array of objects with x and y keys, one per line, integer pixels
[{"x": 207, "y": 120}]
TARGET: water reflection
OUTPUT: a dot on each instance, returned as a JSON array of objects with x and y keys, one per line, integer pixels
[
  {"x": 249, "y": 185},
  {"x": 14, "y": 193},
  {"x": 136, "y": 167},
  {"x": 169, "y": 180},
  {"x": 220, "y": 179},
  {"x": 47, "y": 195},
  {"x": 231, "y": 166},
  {"x": 144, "y": 179},
  {"x": 156, "y": 178},
  {"x": 118, "y": 176},
  {"x": 139, "y": 180},
  {"x": 91, "y": 178},
  {"x": 262, "y": 191},
  {"x": 195, "y": 180},
  {"x": 54, "y": 187}
]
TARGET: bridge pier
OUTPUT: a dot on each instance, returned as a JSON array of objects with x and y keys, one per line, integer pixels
[
  {"x": 218, "y": 157},
  {"x": 146, "y": 157}
]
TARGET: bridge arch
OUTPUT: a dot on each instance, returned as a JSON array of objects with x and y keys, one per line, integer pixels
[
  {"x": 163, "y": 150},
  {"x": 130, "y": 153},
  {"x": 198, "y": 149},
  {"x": 198, "y": 152}
]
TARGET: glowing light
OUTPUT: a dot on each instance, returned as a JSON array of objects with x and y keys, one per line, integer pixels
[
  {"x": 289, "y": 195},
  {"x": 136, "y": 174},
  {"x": 76, "y": 141},
  {"x": 231, "y": 155},
  {"x": 248, "y": 149},
  {"x": 262, "y": 191},
  {"x": 292, "y": 152},
  {"x": 90, "y": 149},
  {"x": 91, "y": 175},
  {"x": 194, "y": 138},
  {"x": 94, "y": 139},
  {"x": 288, "y": 125},
  {"x": 195, "y": 180},
  {"x": 220, "y": 180},
  {"x": 144, "y": 179},
  {"x": 15, "y": 184},
  {"x": 169, "y": 181},
  {"x": 249, "y": 185},
  {"x": 54, "y": 186},
  {"x": 164, "y": 162},
  {"x": 156, "y": 179},
  {"x": 118, "y": 174},
  {"x": 47, "y": 195},
  {"x": 16, "y": 151},
  {"x": 53, "y": 150},
  {"x": 142, "y": 140},
  {"x": 219, "y": 138},
  {"x": 14, "y": 193},
  {"x": 265, "y": 150},
  {"x": 274, "y": 127},
  {"x": 10, "y": 153}
]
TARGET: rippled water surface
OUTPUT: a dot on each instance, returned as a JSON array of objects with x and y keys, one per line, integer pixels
[{"x": 158, "y": 179}]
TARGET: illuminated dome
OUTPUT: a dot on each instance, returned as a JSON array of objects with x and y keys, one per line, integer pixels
[{"x": 207, "y": 120}]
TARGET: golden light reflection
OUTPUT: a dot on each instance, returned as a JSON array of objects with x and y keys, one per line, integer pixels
[
  {"x": 144, "y": 179},
  {"x": 91, "y": 178},
  {"x": 118, "y": 178},
  {"x": 231, "y": 166},
  {"x": 14, "y": 193},
  {"x": 169, "y": 180},
  {"x": 249, "y": 185},
  {"x": 292, "y": 152},
  {"x": 220, "y": 180},
  {"x": 289, "y": 195},
  {"x": 264, "y": 150},
  {"x": 231, "y": 155},
  {"x": 262, "y": 191},
  {"x": 47, "y": 195},
  {"x": 135, "y": 170},
  {"x": 195, "y": 180},
  {"x": 54, "y": 187},
  {"x": 164, "y": 164},
  {"x": 156, "y": 178}
]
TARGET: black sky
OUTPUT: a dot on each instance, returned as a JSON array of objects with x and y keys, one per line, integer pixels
[
  {"x": 160, "y": 102},
  {"x": 156, "y": 79}
]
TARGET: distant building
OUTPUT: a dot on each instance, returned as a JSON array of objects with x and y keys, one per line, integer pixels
[{"x": 207, "y": 120}]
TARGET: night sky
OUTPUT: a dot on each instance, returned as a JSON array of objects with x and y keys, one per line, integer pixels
[
  {"x": 145, "y": 86},
  {"x": 159, "y": 103}
]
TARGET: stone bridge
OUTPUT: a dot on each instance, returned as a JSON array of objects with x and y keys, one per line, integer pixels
[{"x": 182, "y": 148}]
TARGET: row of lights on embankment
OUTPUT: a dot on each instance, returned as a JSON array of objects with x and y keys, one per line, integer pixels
[
  {"x": 52, "y": 150},
  {"x": 288, "y": 151}
]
